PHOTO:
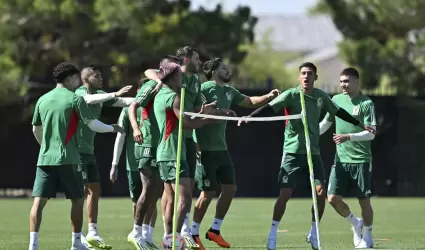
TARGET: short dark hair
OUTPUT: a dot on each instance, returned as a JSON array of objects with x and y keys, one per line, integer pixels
[
  {"x": 171, "y": 58},
  {"x": 309, "y": 65},
  {"x": 64, "y": 70},
  {"x": 350, "y": 72},
  {"x": 185, "y": 51},
  {"x": 210, "y": 66}
]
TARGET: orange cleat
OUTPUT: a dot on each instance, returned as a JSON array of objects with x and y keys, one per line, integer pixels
[
  {"x": 198, "y": 241},
  {"x": 217, "y": 238}
]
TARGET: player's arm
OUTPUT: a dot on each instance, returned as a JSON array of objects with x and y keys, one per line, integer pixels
[
  {"x": 37, "y": 128},
  {"x": 274, "y": 106},
  {"x": 141, "y": 100},
  {"x": 255, "y": 101},
  {"x": 369, "y": 120},
  {"x": 188, "y": 123},
  {"x": 152, "y": 74},
  {"x": 38, "y": 133},
  {"x": 118, "y": 146},
  {"x": 102, "y": 97},
  {"x": 123, "y": 102},
  {"x": 326, "y": 123}
]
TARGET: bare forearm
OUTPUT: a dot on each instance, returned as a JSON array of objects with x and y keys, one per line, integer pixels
[
  {"x": 153, "y": 75},
  {"x": 257, "y": 101},
  {"x": 132, "y": 115},
  {"x": 38, "y": 133}
]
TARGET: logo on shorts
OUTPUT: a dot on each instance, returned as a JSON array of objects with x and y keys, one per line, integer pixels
[
  {"x": 229, "y": 96},
  {"x": 356, "y": 110},
  {"x": 207, "y": 183},
  {"x": 147, "y": 152},
  {"x": 153, "y": 163},
  {"x": 285, "y": 179},
  {"x": 319, "y": 103},
  {"x": 84, "y": 175}
]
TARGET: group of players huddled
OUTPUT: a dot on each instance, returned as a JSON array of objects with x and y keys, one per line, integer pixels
[{"x": 65, "y": 122}]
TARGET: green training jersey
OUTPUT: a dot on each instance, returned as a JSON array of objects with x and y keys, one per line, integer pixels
[
  {"x": 315, "y": 103},
  {"x": 58, "y": 112},
  {"x": 192, "y": 97},
  {"x": 85, "y": 135},
  {"x": 212, "y": 137},
  {"x": 146, "y": 119},
  {"x": 124, "y": 122},
  {"x": 362, "y": 109},
  {"x": 168, "y": 126}
]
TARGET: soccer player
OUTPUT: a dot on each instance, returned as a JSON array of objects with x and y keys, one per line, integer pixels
[
  {"x": 294, "y": 159},
  {"x": 147, "y": 223},
  {"x": 353, "y": 159},
  {"x": 96, "y": 98},
  {"x": 167, "y": 113},
  {"x": 217, "y": 165},
  {"x": 55, "y": 122},
  {"x": 190, "y": 65}
]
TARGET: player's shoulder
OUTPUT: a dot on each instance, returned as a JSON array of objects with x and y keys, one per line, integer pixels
[
  {"x": 338, "y": 97},
  {"x": 321, "y": 92},
  {"x": 366, "y": 100},
  {"x": 150, "y": 83},
  {"x": 165, "y": 92},
  {"x": 208, "y": 85},
  {"x": 82, "y": 90},
  {"x": 291, "y": 91}
]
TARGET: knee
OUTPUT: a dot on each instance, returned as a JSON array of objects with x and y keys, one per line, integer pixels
[
  {"x": 229, "y": 189},
  {"x": 321, "y": 194},
  {"x": 207, "y": 196},
  {"x": 38, "y": 205},
  {"x": 333, "y": 199},
  {"x": 284, "y": 195}
]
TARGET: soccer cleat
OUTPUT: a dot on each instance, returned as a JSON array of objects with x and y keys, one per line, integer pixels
[
  {"x": 217, "y": 238},
  {"x": 197, "y": 239},
  {"x": 97, "y": 242},
  {"x": 364, "y": 245},
  {"x": 85, "y": 243},
  {"x": 357, "y": 232},
  {"x": 312, "y": 239},
  {"x": 138, "y": 243},
  {"x": 190, "y": 243},
  {"x": 80, "y": 247},
  {"x": 271, "y": 243},
  {"x": 150, "y": 244}
]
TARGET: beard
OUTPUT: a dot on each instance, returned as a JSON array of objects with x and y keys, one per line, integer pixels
[
  {"x": 193, "y": 68},
  {"x": 225, "y": 79}
]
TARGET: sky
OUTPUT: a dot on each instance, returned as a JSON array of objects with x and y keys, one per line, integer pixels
[{"x": 260, "y": 6}]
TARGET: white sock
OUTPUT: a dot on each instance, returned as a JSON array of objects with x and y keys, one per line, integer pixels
[
  {"x": 313, "y": 231},
  {"x": 76, "y": 239},
  {"x": 92, "y": 231},
  {"x": 33, "y": 240},
  {"x": 216, "y": 224},
  {"x": 137, "y": 231},
  {"x": 186, "y": 227},
  {"x": 367, "y": 233},
  {"x": 151, "y": 229},
  {"x": 145, "y": 231},
  {"x": 165, "y": 228},
  {"x": 352, "y": 219},
  {"x": 194, "y": 229},
  {"x": 273, "y": 229}
]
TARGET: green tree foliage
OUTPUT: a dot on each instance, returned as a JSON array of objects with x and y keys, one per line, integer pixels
[
  {"x": 122, "y": 37},
  {"x": 376, "y": 40}
]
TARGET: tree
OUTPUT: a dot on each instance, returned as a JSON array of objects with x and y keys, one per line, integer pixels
[
  {"x": 121, "y": 37},
  {"x": 376, "y": 40}
]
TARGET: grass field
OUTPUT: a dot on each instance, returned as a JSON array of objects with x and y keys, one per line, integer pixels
[{"x": 399, "y": 224}]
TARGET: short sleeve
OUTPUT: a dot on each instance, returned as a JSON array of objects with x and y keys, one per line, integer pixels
[
  {"x": 169, "y": 101},
  {"x": 83, "y": 110},
  {"x": 81, "y": 92},
  {"x": 144, "y": 96},
  {"x": 281, "y": 100},
  {"x": 369, "y": 114},
  {"x": 330, "y": 106},
  {"x": 123, "y": 120},
  {"x": 238, "y": 97},
  {"x": 36, "y": 119}
]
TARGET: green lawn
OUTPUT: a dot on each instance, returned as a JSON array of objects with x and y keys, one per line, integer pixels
[{"x": 399, "y": 224}]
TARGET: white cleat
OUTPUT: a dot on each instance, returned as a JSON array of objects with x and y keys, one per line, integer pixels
[
  {"x": 312, "y": 239},
  {"x": 85, "y": 243},
  {"x": 271, "y": 243},
  {"x": 80, "y": 247},
  {"x": 151, "y": 244},
  {"x": 357, "y": 232},
  {"x": 365, "y": 245}
]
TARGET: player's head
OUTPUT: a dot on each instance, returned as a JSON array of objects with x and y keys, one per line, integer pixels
[
  {"x": 170, "y": 58},
  {"x": 141, "y": 82},
  {"x": 307, "y": 75},
  {"x": 216, "y": 70},
  {"x": 67, "y": 74},
  {"x": 92, "y": 77},
  {"x": 189, "y": 57},
  {"x": 349, "y": 81},
  {"x": 170, "y": 74}
]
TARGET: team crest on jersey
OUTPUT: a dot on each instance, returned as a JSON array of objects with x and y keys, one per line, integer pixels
[
  {"x": 229, "y": 96},
  {"x": 356, "y": 110},
  {"x": 319, "y": 103}
]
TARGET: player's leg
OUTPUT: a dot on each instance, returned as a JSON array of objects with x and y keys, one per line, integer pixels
[
  {"x": 191, "y": 156},
  {"x": 206, "y": 180},
  {"x": 135, "y": 189},
  {"x": 319, "y": 182},
  {"x": 226, "y": 177},
  {"x": 339, "y": 183},
  {"x": 44, "y": 188},
  {"x": 364, "y": 192},
  {"x": 72, "y": 184},
  {"x": 288, "y": 176},
  {"x": 163, "y": 209}
]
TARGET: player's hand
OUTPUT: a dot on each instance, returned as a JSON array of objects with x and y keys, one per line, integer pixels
[
  {"x": 157, "y": 88},
  {"x": 137, "y": 136},
  {"x": 338, "y": 139},
  {"x": 243, "y": 120},
  {"x": 368, "y": 128},
  {"x": 208, "y": 108},
  {"x": 273, "y": 94},
  {"x": 118, "y": 129},
  {"x": 113, "y": 175},
  {"x": 228, "y": 112},
  {"x": 123, "y": 90}
]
